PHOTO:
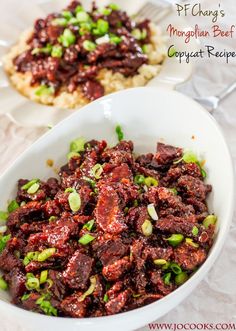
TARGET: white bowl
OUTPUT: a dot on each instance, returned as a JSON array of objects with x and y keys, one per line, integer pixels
[
  {"x": 17, "y": 18},
  {"x": 146, "y": 116}
]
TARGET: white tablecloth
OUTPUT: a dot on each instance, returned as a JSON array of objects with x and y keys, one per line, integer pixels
[{"x": 214, "y": 300}]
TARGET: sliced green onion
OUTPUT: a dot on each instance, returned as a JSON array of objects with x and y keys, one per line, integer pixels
[
  {"x": 32, "y": 283},
  {"x": 139, "y": 179},
  {"x": 86, "y": 239},
  {"x": 67, "y": 38},
  {"x": 103, "y": 40},
  {"x": 60, "y": 21},
  {"x": 74, "y": 201},
  {"x": 145, "y": 48},
  {"x": 44, "y": 90},
  {"x": 33, "y": 188},
  {"x": 97, "y": 170},
  {"x": 67, "y": 14},
  {"x": 3, "y": 284},
  {"x": 115, "y": 39},
  {"x": 3, "y": 229},
  {"x": 150, "y": 181},
  {"x": 174, "y": 191},
  {"x": 3, "y": 241},
  {"x": 188, "y": 157},
  {"x": 175, "y": 268},
  {"x": 3, "y": 215},
  {"x": 73, "y": 21},
  {"x": 29, "y": 184},
  {"x": 25, "y": 297},
  {"x": 166, "y": 278},
  {"x": 30, "y": 256},
  {"x": 89, "y": 225},
  {"x": 89, "y": 45},
  {"x": 209, "y": 220},
  {"x": 84, "y": 28},
  {"x": 70, "y": 190},
  {"x": 195, "y": 230},
  {"x": 160, "y": 262},
  {"x": 102, "y": 27},
  {"x": 45, "y": 50},
  {"x": 46, "y": 253},
  {"x": 46, "y": 306},
  {"x": 52, "y": 218},
  {"x": 43, "y": 276},
  {"x": 106, "y": 298},
  {"x": 152, "y": 212},
  {"x": 175, "y": 239},
  {"x": 136, "y": 295},
  {"x": 135, "y": 203},
  {"x": 82, "y": 16},
  {"x": 104, "y": 11},
  {"x": 90, "y": 290},
  {"x": 57, "y": 51},
  {"x": 119, "y": 132},
  {"x": 90, "y": 181},
  {"x": 203, "y": 172},
  {"x": 77, "y": 145},
  {"x": 78, "y": 9},
  {"x": 113, "y": 6},
  {"x": 71, "y": 155},
  {"x": 138, "y": 34},
  {"x": 147, "y": 228},
  {"x": 190, "y": 242},
  {"x": 13, "y": 205},
  {"x": 181, "y": 278}
]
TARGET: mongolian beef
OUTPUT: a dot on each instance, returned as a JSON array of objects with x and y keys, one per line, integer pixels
[
  {"x": 115, "y": 232},
  {"x": 76, "y": 56}
]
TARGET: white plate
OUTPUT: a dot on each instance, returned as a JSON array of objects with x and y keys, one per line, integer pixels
[
  {"x": 17, "y": 18},
  {"x": 146, "y": 115}
]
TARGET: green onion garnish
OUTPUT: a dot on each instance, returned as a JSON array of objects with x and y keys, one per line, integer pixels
[
  {"x": 104, "y": 11},
  {"x": 33, "y": 188},
  {"x": 60, "y": 21},
  {"x": 119, "y": 132},
  {"x": 46, "y": 253},
  {"x": 174, "y": 191},
  {"x": 86, "y": 239},
  {"x": 113, "y": 6},
  {"x": 115, "y": 39},
  {"x": 13, "y": 205},
  {"x": 52, "y": 218},
  {"x": 190, "y": 242},
  {"x": 3, "y": 215},
  {"x": 209, "y": 220},
  {"x": 139, "y": 179},
  {"x": 74, "y": 201},
  {"x": 181, "y": 278},
  {"x": 106, "y": 298},
  {"x": 44, "y": 90},
  {"x": 29, "y": 184},
  {"x": 67, "y": 38},
  {"x": 195, "y": 230},
  {"x": 46, "y": 306},
  {"x": 138, "y": 34},
  {"x": 152, "y": 212},
  {"x": 67, "y": 14},
  {"x": 3, "y": 284},
  {"x": 166, "y": 278},
  {"x": 97, "y": 170},
  {"x": 89, "y": 45},
  {"x": 32, "y": 283},
  {"x": 150, "y": 181},
  {"x": 25, "y": 297},
  {"x": 175, "y": 239},
  {"x": 30, "y": 256},
  {"x": 77, "y": 145},
  {"x": 102, "y": 27},
  {"x": 175, "y": 268},
  {"x": 147, "y": 228},
  {"x": 89, "y": 225},
  {"x": 57, "y": 51},
  {"x": 3, "y": 241},
  {"x": 45, "y": 50},
  {"x": 82, "y": 16},
  {"x": 43, "y": 276},
  {"x": 90, "y": 290},
  {"x": 160, "y": 262}
]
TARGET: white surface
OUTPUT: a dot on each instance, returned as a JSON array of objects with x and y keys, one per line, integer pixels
[
  {"x": 172, "y": 111},
  {"x": 214, "y": 300}
]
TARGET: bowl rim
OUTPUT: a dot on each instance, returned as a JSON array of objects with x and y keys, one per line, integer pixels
[{"x": 196, "y": 277}]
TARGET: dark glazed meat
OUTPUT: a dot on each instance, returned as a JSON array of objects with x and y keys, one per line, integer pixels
[
  {"x": 114, "y": 232},
  {"x": 68, "y": 49}
]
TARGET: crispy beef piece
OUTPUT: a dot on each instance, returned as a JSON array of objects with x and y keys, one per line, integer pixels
[
  {"x": 51, "y": 187},
  {"x": 100, "y": 52},
  {"x": 115, "y": 271},
  {"x": 27, "y": 213},
  {"x": 58, "y": 288},
  {"x": 193, "y": 187},
  {"x": 154, "y": 253},
  {"x": 158, "y": 282},
  {"x": 78, "y": 270},
  {"x": 115, "y": 305},
  {"x": 22, "y": 62},
  {"x": 93, "y": 90},
  {"x": 35, "y": 266},
  {"x": 108, "y": 215},
  {"x": 16, "y": 281},
  {"x": 72, "y": 306},
  {"x": 30, "y": 302},
  {"x": 99, "y": 288},
  {"x": 145, "y": 160},
  {"x": 118, "y": 17},
  {"x": 111, "y": 250},
  {"x": 189, "y": 257},
  {"x": 137, "y": 216},
  {"x": 136, "y": 251},
  {"x": 8, "y": 261},
  {"x": 199, "y": 206},
  {"x": 118, "y": 174},
  {"x": 51, "y": 208},
  {"x": 167, "y": 154},
  {"x": 121, "y": 153},
  {"x": 115, "y": 289},
  {"x": 145, "y": 299},
  {"x": 97, "y": 146},
  {"x": 89, "y": 162},
  {"x": 146, "y": 171},
  {"x": 34, "y": 227}
]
